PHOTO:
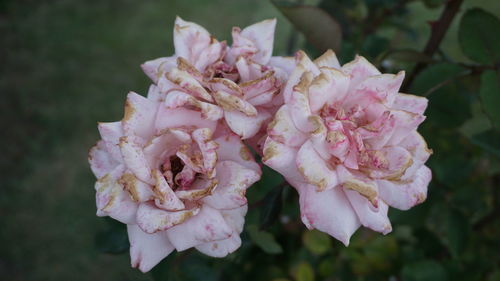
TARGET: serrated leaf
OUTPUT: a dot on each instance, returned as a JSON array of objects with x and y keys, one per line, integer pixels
[
  {"x": 264, "y": 240},
  {"x": 271, "y": 208},
  {"x": 478, "y": 36},
  {"x": 316, "y": 242},
  {"x": 319, "y": 27},
  {"x": 490, "y": 96}
]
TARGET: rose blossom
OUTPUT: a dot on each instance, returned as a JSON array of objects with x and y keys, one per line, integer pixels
[
  {"x": 243, "y": 80},
  {"x": 347, "y": 141},
  {"x": 176, "y": 177}
]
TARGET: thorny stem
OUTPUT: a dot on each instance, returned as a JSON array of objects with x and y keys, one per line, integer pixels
[{"x": 438, "y": 30}]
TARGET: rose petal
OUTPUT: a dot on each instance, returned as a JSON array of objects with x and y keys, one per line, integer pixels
[
  {"x": 405, "y": 194},
  {"x": 234, "y": 180},
  {"x": 314, "y": 169},
  {"x": 328, "y": 59},
  {"x": 147, "y": 250},
  {"x": 208, "y": 225},
  {"x": 152, "y": 219},
  {"x": 370, "y": 216},
  {"x": 328, "y": 211}
]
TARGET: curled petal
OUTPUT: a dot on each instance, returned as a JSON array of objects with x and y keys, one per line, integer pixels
[
  {"x": 328, "y": 59},
  {"x": 283, "y": 129},
  {"x": 113, "y": 201},
  {"x": 139, "y": 191},
  {"x": 246, "y": 126},
  {"x": 139, "y": 116},
  {"x": 184, "y": 80},
  {"x": 232, "y": 148},
  {"x": 370, "y": 216},
  {"x": 234, "y": 180},
  {"x": 151, "y": 219},
  {"x": 208, "y": 225},
  {"x": 101, "y": 161},
  {"x": 314, "y": 169},
  {"x": 134, "y": 158},
  {"x": 154, "y": 69},
  {"x": 233, "y": 103},
  {"x": 328, "y": 211},
  {"x": 405, "y": 194},
  {"x": 359, "y": 69},
  {"x": 110, "y": 134},
  {"x": 159, "y": 148},
  {"x": 181, "y": 118},
  {"x": 262, "y": 35},
  {"x": 209, "y": 111},
  {"x": 147, "y": 250},
  {"x": 410, "y": 103},
  {"x": 165, "y": 198},
  {"x": 281, "y": 158},
  {"x": 328, "y": 87},
  {"x": 203, "y": 137}
]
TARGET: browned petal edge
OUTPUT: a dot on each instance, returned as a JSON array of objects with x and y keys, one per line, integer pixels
[{"x": 362, "y": 188}]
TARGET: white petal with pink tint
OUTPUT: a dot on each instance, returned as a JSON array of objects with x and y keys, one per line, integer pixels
[
  {"x": 208, "y": 225},
  {"x": 328, "y": 211},
  {"x": 147, "y": 250}
]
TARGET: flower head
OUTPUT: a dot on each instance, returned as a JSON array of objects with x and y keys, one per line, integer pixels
[
  {"x": 346, "y": 139},
  {"x": 242, "y": 81},
  {"x": 176, "y": 176}
]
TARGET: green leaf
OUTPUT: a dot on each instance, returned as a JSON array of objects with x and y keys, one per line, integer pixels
[
  {"x": 490, "y": 96},
  {"x": 478, "y": 36},
  {"x": 316, "y": 242},
  {"x": 489, "y": 140},
  {"x": 448, "y": 105},
  {"x": 114, "y": 240},
  {"x": 319, "y": 27},
  {"x": 271, "y": 208},
  {"x": 427, "y": 270},
  {"x": 264, "y": 240},
  {"x": 408, "y": 55},
  {"x": 304, "y": 272}
]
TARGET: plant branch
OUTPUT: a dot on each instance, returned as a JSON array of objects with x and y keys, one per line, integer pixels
[{"x": 438, "y": 30}]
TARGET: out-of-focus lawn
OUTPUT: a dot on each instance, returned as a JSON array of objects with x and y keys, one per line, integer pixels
[{"x": 65, "y": 65}]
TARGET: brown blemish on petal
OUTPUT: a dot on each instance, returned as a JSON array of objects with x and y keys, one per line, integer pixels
[
  {"x": 399, "y": 173},
  {"x": 270, "y": 151},
  {"x": 129, "y": 111},
  {"x": 366, "y": 190},
  {"x": 317, "y": 123},
  {"x": 320, "y": 184},
  {"x": 267, "y": 75},
  {"x": 229, "y": 84},
  {"x": 229, "y": 102},
  {"x": 183, "y": 64},
  {"x": 129, "y": 183},
  {"x": 304, "y": 83},
  {"x": 245, "y": 153}
]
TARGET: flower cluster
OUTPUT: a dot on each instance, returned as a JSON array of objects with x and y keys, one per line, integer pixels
[{"x": 175, "y": 169}]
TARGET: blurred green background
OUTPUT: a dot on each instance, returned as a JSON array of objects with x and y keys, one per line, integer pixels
[{"x": 66, "y": 64}]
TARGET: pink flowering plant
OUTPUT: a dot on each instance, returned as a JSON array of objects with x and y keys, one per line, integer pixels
[{"x": 326, "y": 139}]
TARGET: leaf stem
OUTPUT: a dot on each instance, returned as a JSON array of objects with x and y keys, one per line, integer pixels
[{"x": 438, "y": 30}]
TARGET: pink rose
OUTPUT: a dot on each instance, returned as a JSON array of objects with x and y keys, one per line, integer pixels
[
  {"x": 175, "y": 175},
  {"x": 347, "y": 141},
  {"x": 243, "y": 81}
]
